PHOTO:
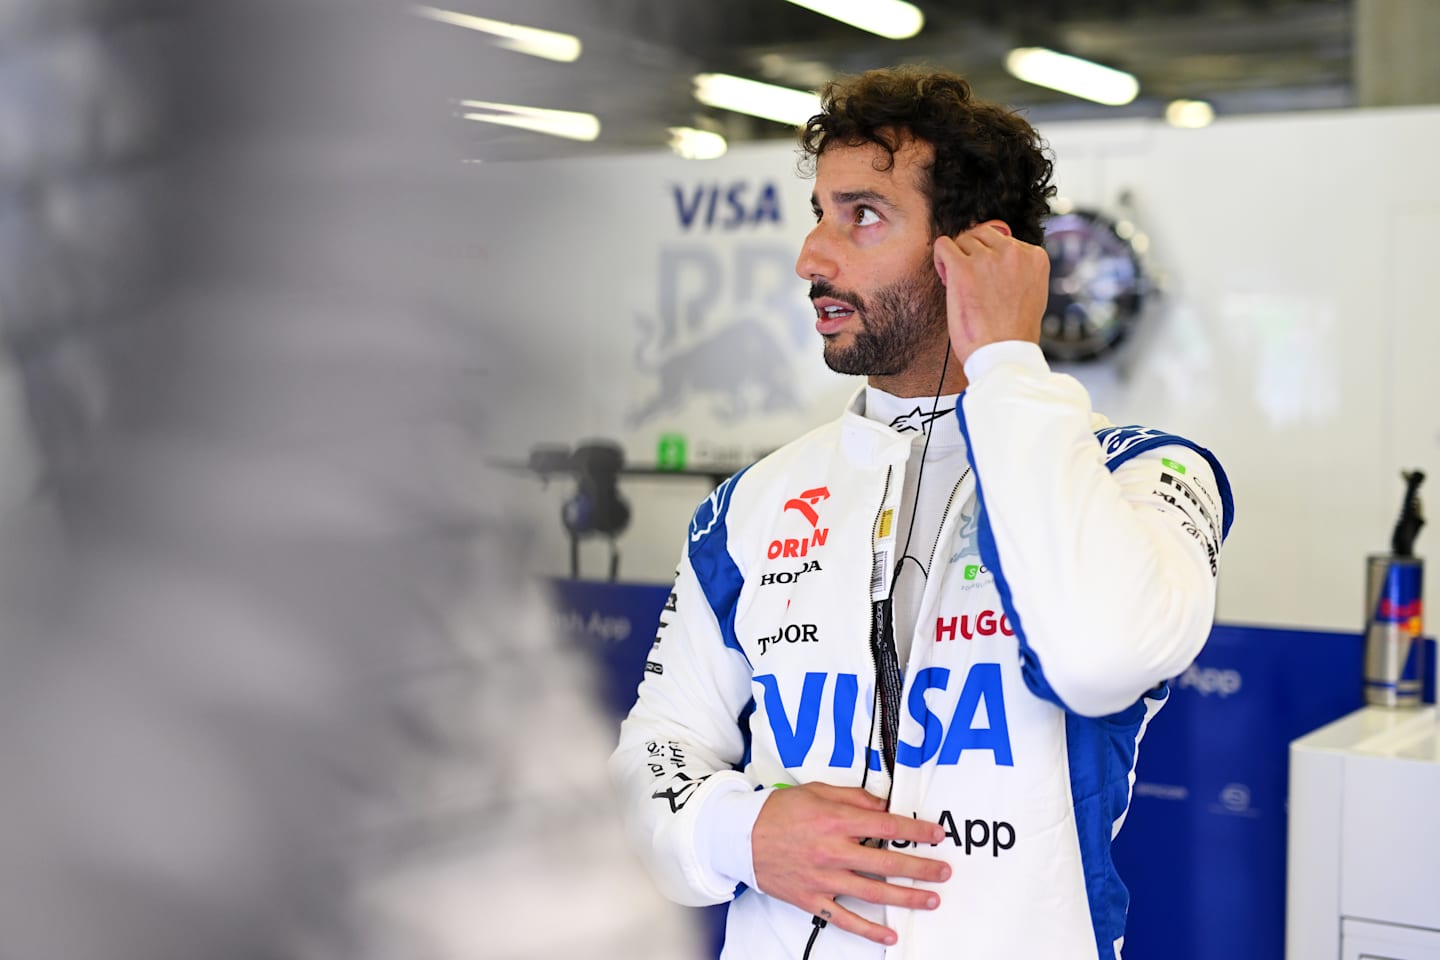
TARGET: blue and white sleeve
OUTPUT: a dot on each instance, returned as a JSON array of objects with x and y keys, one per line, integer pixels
[
  {"x": 686, "y": 805},
  {"x": 1105, "y": 549}
]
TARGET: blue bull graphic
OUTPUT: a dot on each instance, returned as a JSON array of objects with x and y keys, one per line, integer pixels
[
  {"x": 725, "y": 328},
  {"x": 741, "y": 366}
]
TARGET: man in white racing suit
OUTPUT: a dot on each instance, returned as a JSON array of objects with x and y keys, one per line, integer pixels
[{"x": 895, "y": 700}]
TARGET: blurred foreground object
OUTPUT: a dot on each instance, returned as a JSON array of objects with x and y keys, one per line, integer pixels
[{"x": 273, "y": 680}]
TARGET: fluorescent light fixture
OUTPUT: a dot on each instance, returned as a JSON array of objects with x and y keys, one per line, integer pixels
[
  {"x": 894, "y": 19},
  {"x": 757, "y": 99},
  {"x": 1079, "y": 78},
  {"x": 1189, "y": 113},
  {"x": 692, "y": 144},
  {"x": 557, "y": 123},
  {"x": 530, "y": 41}
]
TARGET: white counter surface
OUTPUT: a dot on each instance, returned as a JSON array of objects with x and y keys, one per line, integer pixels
[{"x": 1364, "y": 834}]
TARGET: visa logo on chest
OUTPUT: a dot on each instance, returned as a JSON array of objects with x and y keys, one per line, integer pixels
[
  {"x": 726, "y": 206},
  {"x": 943, "y": 741}
]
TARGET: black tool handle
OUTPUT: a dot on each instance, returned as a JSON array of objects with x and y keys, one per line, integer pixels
[{"x": 1402, "y": 542}]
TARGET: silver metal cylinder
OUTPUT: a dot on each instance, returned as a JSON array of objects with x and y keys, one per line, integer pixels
[{"x": 1393, "y": 624}]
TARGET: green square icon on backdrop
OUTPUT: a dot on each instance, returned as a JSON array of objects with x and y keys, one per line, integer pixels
[{"x": 670, "y": 451}]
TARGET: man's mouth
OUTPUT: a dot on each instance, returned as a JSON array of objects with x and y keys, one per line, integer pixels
[{"x": 831, "y": 315}]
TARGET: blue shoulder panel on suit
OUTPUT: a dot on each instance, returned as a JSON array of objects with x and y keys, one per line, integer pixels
[
  {"x": 715, "y": 569},
  {"x": 1120, "y": 444}
]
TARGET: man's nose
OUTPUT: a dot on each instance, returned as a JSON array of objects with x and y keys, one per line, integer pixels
[{"x": 816, "y": 262}]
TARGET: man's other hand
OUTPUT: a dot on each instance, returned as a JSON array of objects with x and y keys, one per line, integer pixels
[{"x": 807, "y": 851}]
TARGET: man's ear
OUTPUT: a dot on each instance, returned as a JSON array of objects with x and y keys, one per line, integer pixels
[{"x": 1000, "y": 225}]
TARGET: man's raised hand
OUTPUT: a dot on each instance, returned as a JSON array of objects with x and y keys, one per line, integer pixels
[{"x": 996, "y": 287}]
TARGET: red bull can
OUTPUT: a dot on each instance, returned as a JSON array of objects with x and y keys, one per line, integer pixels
[{"x": 1394, "y": 622}]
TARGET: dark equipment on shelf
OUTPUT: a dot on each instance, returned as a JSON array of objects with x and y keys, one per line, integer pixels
[{"x": 596, "y": 508}]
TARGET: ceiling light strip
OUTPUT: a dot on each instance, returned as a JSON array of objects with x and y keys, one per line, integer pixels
[
  {"x": 692, "y": 144},
  {"x": 531, "y": 41},
  {"x": 1190, "y": 114},
  {"x": 764, "y": 100},
  {"x": 1072, "y": 75},
  {"x": 892, "y": 19},
  {"x": 570, "y": 124}
]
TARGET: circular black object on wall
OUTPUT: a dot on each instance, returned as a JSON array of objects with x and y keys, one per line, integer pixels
[{"x": 1097, "y": 287}]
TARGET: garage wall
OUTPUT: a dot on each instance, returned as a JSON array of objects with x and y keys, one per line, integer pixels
[{"x": 648, "y": 296}]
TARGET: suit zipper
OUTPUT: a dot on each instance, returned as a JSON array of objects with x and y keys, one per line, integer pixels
[
  {"x": 943, "y": 517},
  {"x": 877, "y": 571},
  {"x": 877, "y": 583}
]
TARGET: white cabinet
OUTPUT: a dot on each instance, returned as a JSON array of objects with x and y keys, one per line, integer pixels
[
  {"x": 1385, "y": 941},
  {"x": 1363, "y": 859}
]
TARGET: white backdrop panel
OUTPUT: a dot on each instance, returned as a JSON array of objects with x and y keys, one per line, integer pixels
[{"x": 1293, "y": 336}]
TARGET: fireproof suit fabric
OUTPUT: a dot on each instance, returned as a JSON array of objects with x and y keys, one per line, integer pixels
[{"x": 1072, "y": 574}]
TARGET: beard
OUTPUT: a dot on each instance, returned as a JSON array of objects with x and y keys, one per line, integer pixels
[{"x": 896, "y": 322}]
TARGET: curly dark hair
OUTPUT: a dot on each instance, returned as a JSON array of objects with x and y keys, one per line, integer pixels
[{"x": 989, "y": 162}]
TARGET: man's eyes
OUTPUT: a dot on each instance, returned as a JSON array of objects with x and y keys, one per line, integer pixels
[{"x": 863, "y": 217}]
